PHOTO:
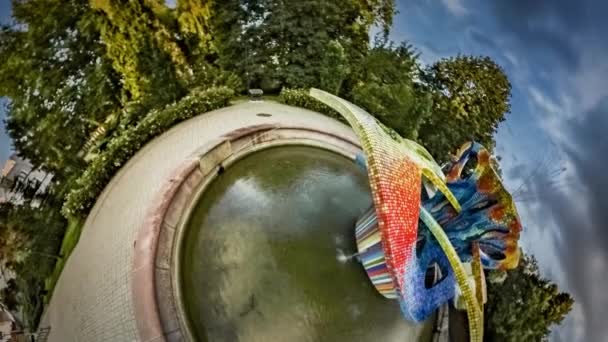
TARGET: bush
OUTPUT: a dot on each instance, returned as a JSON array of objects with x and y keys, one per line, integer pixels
[
  {"x": 99, "y": 172},
  {"x": 301, "y": 98}
]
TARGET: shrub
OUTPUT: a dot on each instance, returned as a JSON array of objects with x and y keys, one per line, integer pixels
[
  {"x": 301, "y": 98},
  {"x": 99, "y": 172}
]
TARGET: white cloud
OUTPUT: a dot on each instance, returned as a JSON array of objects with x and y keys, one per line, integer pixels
[
  {"x": 589, "y": 81},
  {"x": 512, "y": 59},
  {"x": 455, "y": 7},
  {"x": 543, "y": 101},
  {"x": 554, "y": 114}
]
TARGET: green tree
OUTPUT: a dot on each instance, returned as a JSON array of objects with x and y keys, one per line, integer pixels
[
  {"x": 524, "y": 306},
  {"x": 30, "y": 239},
  {"x": 272, "y": 44},
  {"x": 334, "y": 67},
  {"x": 471, "y": 96},
  {"x": 139, "y": 37},
  {"x": 386, "y": 87},
  {"x": 194, "y": 21},
  {"x": 57, "y": 79}
]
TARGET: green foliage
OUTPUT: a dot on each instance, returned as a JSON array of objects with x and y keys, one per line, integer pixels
[
  {"x": 159, "y": 55},
  {"x": 92, "y": 181},
  {"x": 470, "y": 97},
  {"x": 70, "y": 239},
  {"x": 387, "y": 90},
  {"x": 207, "y": 75},
  {"x": 143, "y": 49},
  {"x": 57, "y": 78},
  {"x": 275, "y": 44},
  {"x": 8, "y": 295},
  {"x": 334, "y": 68},
  {"x": 193, "y": 17},
  {"x": 31, "y": 256},
  {"x": 524, "y": 306},
  {"x": 301, "y": 98}
]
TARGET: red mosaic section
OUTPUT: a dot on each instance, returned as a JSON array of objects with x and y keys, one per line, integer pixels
[
  {"x": 397, "y": 200},
  {"x": 396, "y": 185}
]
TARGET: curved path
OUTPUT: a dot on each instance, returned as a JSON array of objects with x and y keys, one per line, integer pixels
[{"x": 92, "y": 300}]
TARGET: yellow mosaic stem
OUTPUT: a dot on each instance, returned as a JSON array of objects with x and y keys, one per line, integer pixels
[
  {"x": 473, "y": 310},
  {"x": 361, "y": 122}
]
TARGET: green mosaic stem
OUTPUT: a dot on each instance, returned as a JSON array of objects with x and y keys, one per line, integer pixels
[{"x": 473, "y": 310}]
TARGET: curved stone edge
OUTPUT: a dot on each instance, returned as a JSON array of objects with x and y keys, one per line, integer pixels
[
  {"x": 145, "y": 263},
  {"x": 153, "y": 284}
]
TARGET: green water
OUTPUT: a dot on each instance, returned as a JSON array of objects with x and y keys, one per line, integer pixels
[{"x": 260, "y": 256}]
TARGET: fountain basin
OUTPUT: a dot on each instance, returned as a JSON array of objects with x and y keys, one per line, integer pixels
[{"x": 233, "y": 264}]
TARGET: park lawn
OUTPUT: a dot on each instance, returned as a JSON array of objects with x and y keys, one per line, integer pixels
[{"x": 70, "y": 239}]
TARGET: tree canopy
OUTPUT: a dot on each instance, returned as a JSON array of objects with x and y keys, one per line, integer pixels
[
  {"x": 275, "y": 44},
  {"x": 58, "y": 80},
  {"x": 525, "y": 305},
  {"x": 387, "y": 86},
  {"x": 471, "y": 96}
]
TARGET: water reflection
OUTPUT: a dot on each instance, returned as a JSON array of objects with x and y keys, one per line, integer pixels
[{"x": 260, "y": 260}]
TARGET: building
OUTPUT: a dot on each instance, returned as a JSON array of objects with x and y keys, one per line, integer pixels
[
  {"x": 19, "y": 177},
  {"x": 8, "y": 328}
]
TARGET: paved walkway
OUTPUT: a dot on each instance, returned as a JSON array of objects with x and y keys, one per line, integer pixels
[{"x": 92, "y": 299}]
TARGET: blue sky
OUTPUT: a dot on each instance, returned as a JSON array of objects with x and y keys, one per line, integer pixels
[
  {"x": 556, "y": 56},
  {"x": 5, "y": 142},
  {"x": 554, "y": 142}
]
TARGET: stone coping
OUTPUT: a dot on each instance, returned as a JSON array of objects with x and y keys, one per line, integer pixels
[{"x": 155, "y": 285}]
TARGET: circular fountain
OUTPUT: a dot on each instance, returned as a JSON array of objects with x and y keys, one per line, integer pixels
[
  {"x": 250, "y": 238},
  {"x": 265, "y": 254}
]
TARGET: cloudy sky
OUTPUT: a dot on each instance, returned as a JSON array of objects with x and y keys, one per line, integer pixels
[{"x": 554, "y": 143}]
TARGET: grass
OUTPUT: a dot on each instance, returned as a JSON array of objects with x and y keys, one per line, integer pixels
[{"x": 70, "y": 239}]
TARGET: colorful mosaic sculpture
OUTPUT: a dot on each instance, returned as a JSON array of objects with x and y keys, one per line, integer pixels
[
  {"x": 488, "y": 215},
  {"x": 387, "y": 235}
]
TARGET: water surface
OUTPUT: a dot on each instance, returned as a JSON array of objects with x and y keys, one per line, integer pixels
[{"x": 260, "y": 257}]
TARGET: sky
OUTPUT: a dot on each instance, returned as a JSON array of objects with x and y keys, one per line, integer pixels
[
  {"x": 554, "y": 142},
  {"x": 5, "y": 142}
]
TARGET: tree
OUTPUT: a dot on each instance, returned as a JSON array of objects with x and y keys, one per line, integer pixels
[
  {"x": 8, "y": 295},
  {"x": 334, "y": 68},
  {"x": 274, "y": 44},
  {"x": 13, "y": 239},
  {"x": 140, "y": 40},
  {"x": 470, "y": 97},
  {"x": 194, "y": 21},
  {"x": 30, "y": 239},
  {"x": 524, "y": 306},
  {"x": 57, "y": 79},
  {"x": 70, "y": 68},
  {"x": 386, "y": 87}
]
